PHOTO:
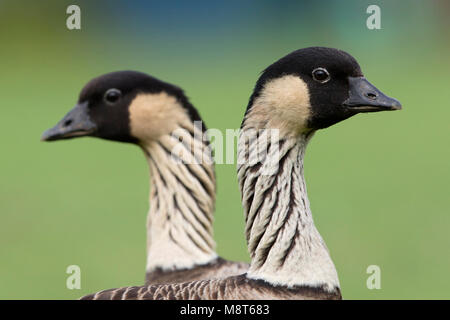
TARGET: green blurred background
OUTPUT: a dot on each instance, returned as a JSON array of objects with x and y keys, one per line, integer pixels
[{"x": 378, "y": 183}]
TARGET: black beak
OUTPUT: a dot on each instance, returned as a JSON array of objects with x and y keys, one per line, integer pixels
[
  {"x": 365, "y": 97},
  {"x": 76, "y": 123}
]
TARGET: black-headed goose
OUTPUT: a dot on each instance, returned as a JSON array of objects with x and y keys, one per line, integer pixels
[
  {"x": 307, "y": 90},
  {"x": 134, "y": 107}
]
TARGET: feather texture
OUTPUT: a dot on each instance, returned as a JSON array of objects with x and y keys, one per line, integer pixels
[
  {"x": 233, "y": 288},
  {"x": 180, "y": 242}
]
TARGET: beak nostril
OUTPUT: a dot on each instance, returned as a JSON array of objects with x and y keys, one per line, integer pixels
[
  {"x": 67, "y": 123},
  {"x": 371, "y": 95}
]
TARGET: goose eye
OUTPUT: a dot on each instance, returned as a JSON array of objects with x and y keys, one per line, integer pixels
[
  {"x": 321, "y": 75},
  {"x": 112, "y": 95}
]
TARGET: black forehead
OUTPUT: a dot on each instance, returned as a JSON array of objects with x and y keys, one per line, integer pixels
[
  {"x": 126, "y": 82},
  {"x": 304, "y": 61}
]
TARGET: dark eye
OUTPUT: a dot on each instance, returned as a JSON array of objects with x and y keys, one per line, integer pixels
[
  {"x": 112, "y": 95},
  {"x": 321, "y": 75}
]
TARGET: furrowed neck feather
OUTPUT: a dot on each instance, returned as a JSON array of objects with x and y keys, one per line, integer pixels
[
  {"x": 182, "y": 200},
  {"x": 284, "y": 244}
]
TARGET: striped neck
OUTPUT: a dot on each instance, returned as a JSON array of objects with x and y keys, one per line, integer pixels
[
  {"x": 284, "y": 244},
  {"x": 182, "y": 199}
]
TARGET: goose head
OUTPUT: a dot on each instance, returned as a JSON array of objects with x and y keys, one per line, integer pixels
[
  {"x": 311, "y": 89},
  {"x": 126, "y": 106}
]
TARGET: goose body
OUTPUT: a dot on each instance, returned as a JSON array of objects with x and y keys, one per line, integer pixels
[
  {"x": 239, "y": 287},
  {"x": 133, "y": 107},
  {"x": 307, "y": 90}
]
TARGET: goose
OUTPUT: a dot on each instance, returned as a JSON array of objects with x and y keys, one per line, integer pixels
[
  {"x": 133, "y": 107},
  {"x": 307, "y": 90}
]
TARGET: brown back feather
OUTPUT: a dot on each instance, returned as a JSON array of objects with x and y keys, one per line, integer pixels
[
  {"x": 232, "y": 288},
  {"x": 218, "y": 269}
]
